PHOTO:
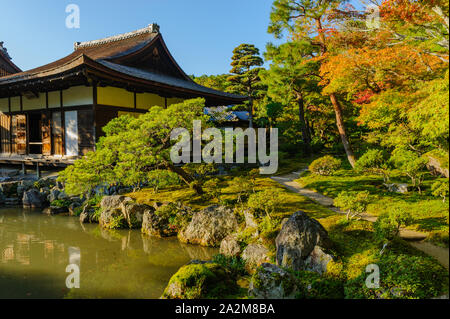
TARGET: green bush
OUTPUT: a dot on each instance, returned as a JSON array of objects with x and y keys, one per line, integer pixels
[
  {"x": 353, "y": 203},
  {"x": 388, "y": 225},
  {"x": 266, "y": 201},
  {"x": 411, "y": 164},
  {"x": 61, "y": 203},
  {"x": 374, "y": 162},
  {"x": 235, "y": 265},
  {"x": 440, "y": 189},
  {"x": 325, "y": 166},
  {"x": 402, "y": 276},
  {"x": 242, "y": 186}
]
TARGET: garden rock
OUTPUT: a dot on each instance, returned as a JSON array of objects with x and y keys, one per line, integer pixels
[
  {"x": 230, "y": 246},
  {"x": 33, "y": 199},
  {"x": 209, "y": 226},
  {"x": 200, "y": 280},
  {"x": 297, "y": 241},
  {"x": 254, "y": 255},
  {"x": 272, "y": 282}
]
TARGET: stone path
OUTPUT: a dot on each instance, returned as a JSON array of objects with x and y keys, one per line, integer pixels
[{"x": 414, "y": 237}]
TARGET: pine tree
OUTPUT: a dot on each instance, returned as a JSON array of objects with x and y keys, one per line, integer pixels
[{"x": 246, "y": 65}]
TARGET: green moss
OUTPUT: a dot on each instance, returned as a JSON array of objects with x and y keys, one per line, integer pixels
[{"x": 200, "y": 281}]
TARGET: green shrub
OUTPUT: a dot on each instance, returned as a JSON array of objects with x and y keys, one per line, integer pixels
[
  {"x": 388, "y": 225},
  {"x": 235, "y": 265},
  {"x": 440, "y": 189},
  {"x": 242, "y": 186},
  {"x": 374, "y": 162},
  {"x": 402, "y": 276},
  {"x": 61, "y": 203},
  {"x": 325, "y": 166},
  {"x": 266, "y": 201},
  {"x": 411, "y": 164},
  {"x": 353, "y": 203}
]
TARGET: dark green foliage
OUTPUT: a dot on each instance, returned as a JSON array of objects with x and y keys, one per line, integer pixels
[
  {"x": 61, "y": 203},
  {"x": 314, "y": 286},
  {"x": 235, "y": 265},
  {"x": 388, "y": 225},
  {"x": 402, "y": 276}
]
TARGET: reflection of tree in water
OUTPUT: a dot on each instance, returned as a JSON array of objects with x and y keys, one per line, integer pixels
[{"x": 114, "y": 264}]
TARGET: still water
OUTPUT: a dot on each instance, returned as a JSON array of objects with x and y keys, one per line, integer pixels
[{"x": 35, "y": 250}]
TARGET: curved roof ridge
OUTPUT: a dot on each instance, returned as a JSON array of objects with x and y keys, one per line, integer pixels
[{"x": 151, "y": 28}]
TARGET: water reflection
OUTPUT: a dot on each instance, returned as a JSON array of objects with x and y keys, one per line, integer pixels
[{"x": 114, "y": 264}]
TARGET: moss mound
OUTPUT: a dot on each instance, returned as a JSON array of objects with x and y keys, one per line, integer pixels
[{"x": 200, "y": 281}]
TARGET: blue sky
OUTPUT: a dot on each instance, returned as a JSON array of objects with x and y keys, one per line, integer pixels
[{"x": 201, "y": 34}]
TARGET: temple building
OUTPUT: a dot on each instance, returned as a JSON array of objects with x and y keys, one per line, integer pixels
[
  {"x": 55, "y": 113},
  {"x": 7, "y": 67}
]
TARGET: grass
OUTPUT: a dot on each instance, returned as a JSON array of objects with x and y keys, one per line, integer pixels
[
  {"x": 289, "y": 202},
  {"x": 430, "y": 213},
  {"x": 402, "y": 267}
]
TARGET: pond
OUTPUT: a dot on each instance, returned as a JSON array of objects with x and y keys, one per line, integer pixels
[{"x": 35, "y": 250}]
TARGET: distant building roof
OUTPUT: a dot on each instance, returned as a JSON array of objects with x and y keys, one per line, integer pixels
[
  {"x": 6, "y": 65},
  {"x": 224, "y": 114}
]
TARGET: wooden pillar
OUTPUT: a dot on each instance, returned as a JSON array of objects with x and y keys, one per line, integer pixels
[
  {"x": 63, "y": 123},
  {"x": 24, "y": 169},
  {"x": 10, "y": 126},
  {"x": 94, "y": 111}
]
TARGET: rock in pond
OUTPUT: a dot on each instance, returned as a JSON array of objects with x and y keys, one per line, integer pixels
[
  {"x": 301, "y": 244},
  {"x": 121, "y": 212},
  {"x": 33, "y": 199},
  {"x": 272, "y": 282},
  {"x": 200, "y": 280},
  {"x": 209, "y": 226}
]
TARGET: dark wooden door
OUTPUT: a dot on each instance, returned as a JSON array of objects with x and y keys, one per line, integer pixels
[
  {"x": 46, "y": 134},
  {"x": 85, "y": 131}
]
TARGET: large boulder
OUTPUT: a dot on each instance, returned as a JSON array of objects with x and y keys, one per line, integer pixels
[
  {"x": 33, "y": 199},
  {"x": 163, "y": 220},
  {"x": 156, "y": 225},
  {"x": 87, "y": 215},
  {"x": 272, "y": 282},
  {"x": 209, "y": 226},
  {"x": 53, "y": 194},
  {"x": 301, "y": 244},
  {"x": 200, "y": 280},
  {"x": 230, "y": 246},
  {"x": 9, "y": 189},
  {"x": 254, "y": 255},
  {"x": 121, "y": 212}
]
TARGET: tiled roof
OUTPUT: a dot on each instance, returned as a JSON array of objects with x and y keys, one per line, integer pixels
[
  {"x": 107, "y": 51},
  {"x": 165, "y": 79}
]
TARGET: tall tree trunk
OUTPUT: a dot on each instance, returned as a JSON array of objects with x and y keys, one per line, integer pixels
[
  {"x": 185, "y": 177},
  {"x": 304, "y": 127},
  {"x": 342, "y": 132},
  {"x": 335, "y": 102},
  {"x": 250, "y": 112}
]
